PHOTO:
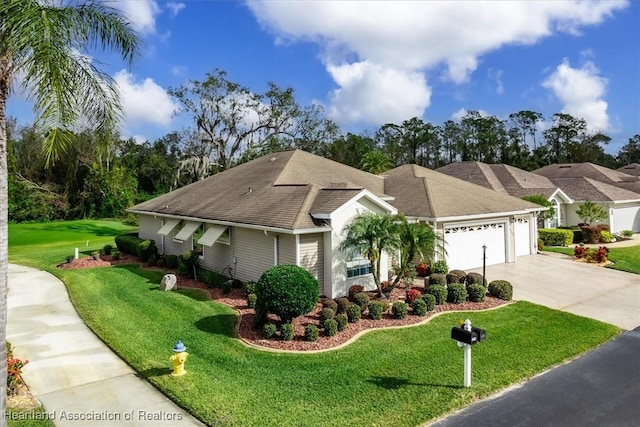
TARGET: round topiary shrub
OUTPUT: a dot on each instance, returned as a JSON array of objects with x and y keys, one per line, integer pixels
[
  {"x": 343, "y": 304},
  {"x": 459, "y": 273},
  {"x": 355, "y": 289},
  {"x": 107, "y": 249},
  {"x": 326, "y": 314},
  {"x": 376, "y": 308},
  {"x": 251, "y": 300},
  {"x": 437, "y": 279},
  {"x": 454, "y": 278},
  {"x": 399, "y": 310},
  {"x": 288, "y": 291},
  {"x": 330, "y": 327},
  {"x": 354, "y": 313},
  {"x": 419, "y": 307},
  {"x": 286, "y": 332},
  {"x": 250, "y": 288},
  {"x": 473, "y": 278},
  {"x": 439, "y": 267},
  {"x": 476, "y": 292},
  {"x": 269, "y": 330},
  {"x": 311, "y": 333},
  {"x": 329, "y": 303},
  {"x": 501, "y": 289},
  {"x": 439, "y": 292},
  {"x": 362, "y": 300},
  {"x": 342, "y": 320},
  {"x": 456, "y": 293},
  {"x": 430, "y": 302}
]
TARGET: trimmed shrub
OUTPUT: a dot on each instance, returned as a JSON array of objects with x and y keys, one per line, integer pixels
[
  {"x": 541, "y": 244},
  {"x": 115, "y": 255},
  {"x": 590, "y": 234},
  {"x": 107, "y": 249},
  {"x": 188, "y": 263},
  {"x": 251, "y": 300},
  {"x": 355, "y": 289},
  {"x": 213, "y": 279},
  {"x": 376, "y": 308},
  {"x": 287, "y": 290},
  {"x": 412, "y": 295},
  {"x": 430, "y": 302},
  {"x": 454, "y": 278},
  {"x": 423, "y": 269},
  {"x": 439, "y": 292},
  {"x": 227, "y": 285},
  {"x": 171, "y": 261},
  {"x": 342, "y": 321},
  {"x": 354, "y": 313},
  {"x": 555, "y": 236},
  {"x": 343, "y": 304},
  {"x": 437, "y": 279},
  {"x": 475, "y": 278},
  {"x": 399, "y": 310},
  {"x": 286, "y": 332},
  {"x": 456, "y": 293},
  {"x": 311, "y": 333},
  {"x": 439, "y": 267},
  {"x": 330, "y": 327},
  {"x": 501, "y": 289},
  {"x": 460, "y": 273},
  {"x": 269, "y": 330},
  {"x": 362, "y": 300},
  {"x": 128, "y": 243},
  {"x": 329, "y": 303},
  {"x": 419, "y": 307},
  {"x": 147, "y": 249},
  {"x": 326, "y": 314},
  {"x": 152, "y": 262},
  {"x": 250, "y": 288},
  {"x": 476, "y": 292},
  {"x": 605, "y": 236}
]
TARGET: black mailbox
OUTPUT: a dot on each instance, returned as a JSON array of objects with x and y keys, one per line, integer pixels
[
  {"x": 482, "y": 334},
  {"x": 464, "y": 336}
]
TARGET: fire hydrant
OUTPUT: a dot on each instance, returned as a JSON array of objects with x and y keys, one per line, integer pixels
[{"x": 178, "y": 359}]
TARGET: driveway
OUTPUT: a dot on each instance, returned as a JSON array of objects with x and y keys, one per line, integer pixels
[{"x": 556, "y": 281}]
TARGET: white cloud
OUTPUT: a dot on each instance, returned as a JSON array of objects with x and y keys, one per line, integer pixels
[
  {"x": 141, "y": 14},
  {"x": 496, "y": 75},
  {"x": 374, "y": 94},
  {"x": 144, "y": 102},
  {"x": 414, "y": 37},
  {"x": 175, "y": 8},
  {"x": 461, "y": 113},
  {"x": 581, "y": 90},
  {"x": 178, "y": 70}
]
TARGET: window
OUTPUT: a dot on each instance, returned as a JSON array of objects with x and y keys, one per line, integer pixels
[
  {"x": 195, "y": 237},
  {"x": 225, "y": 238},
  {"x": 358, "y": 266},
  {"x": 176, "y": 230}
]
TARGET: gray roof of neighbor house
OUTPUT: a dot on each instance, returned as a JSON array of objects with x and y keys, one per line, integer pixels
[
  {"x": 582, "y": 189},
  {"x": 631, "y": 169},
  {"x": 425, "y": 193},
  {"x": 279, "y": 190},
  {"x": 502, "y": 178},
  {"x": 589, "y": 170}
]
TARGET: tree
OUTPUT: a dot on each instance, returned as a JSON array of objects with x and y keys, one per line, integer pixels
[
  {"x": 376, "y": 162},
  {"x": 565, "y": 131},
  {"x": 369, "y": 235},
  {"x": 47, "y": 45},
  {"x": 589, "y": 212},
  {"x": 539, "y": 199},
  {"x": 630, "y": 152},
  {"x": 419, "y": 240},
  {"x": 526, "y": 124}
]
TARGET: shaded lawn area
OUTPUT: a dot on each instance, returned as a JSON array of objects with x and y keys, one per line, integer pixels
[{"x": 624, "y": 259}]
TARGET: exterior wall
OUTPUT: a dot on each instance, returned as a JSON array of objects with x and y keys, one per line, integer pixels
[
  {"x": 625, "y": 217},
  {"x": 335, "y": 274},
  {"x": 218, "y": 257},
  {"x": 311, "y": 254},
  {"x": 148, "y": 228},
  {"x": 253, "y": 253},
  {"x": 573, "y": 219},
  {"x": 287, "y": 249},
  {"x": 173, "y": 247}
]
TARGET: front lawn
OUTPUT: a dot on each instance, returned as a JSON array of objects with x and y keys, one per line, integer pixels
[
  {"x": 393, "y": 377},
  {"x": 624, "y": 259}
]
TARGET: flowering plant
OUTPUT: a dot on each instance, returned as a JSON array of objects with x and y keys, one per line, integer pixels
[
  {"x": 412, "y": 295},
  {"x": 14, "y": 374}
]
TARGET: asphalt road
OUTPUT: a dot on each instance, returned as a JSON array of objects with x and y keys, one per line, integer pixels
[{"x": 600, "y": 388}]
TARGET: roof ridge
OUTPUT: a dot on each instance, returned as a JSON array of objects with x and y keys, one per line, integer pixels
[
  {"x": 305, "y": 207},
  {"x": 491, "y": 177},
  {"x": 427, "y": 190}
]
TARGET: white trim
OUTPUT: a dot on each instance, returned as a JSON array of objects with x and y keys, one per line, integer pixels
[
  {"x": 364, "y": 194},
  {"x": 212, "y": 234},
  {"x": 168, "y": 225},
  {"x": 562, "y": 194},
  {"x": 187, "y": 230}
]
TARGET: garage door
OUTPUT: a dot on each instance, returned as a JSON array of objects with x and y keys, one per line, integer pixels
[
  {"x": 523, "y": 237},
  {"x": 626, "y": 218},
  {"x": 464, "y": 245}
]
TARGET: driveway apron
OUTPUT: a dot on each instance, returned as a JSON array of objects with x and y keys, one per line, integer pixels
[{"x": 558, "y": 282}]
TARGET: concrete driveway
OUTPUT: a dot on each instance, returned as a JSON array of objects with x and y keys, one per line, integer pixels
[{"x": 556, "y": 281}]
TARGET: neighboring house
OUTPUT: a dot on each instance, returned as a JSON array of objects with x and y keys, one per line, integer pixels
[
  {"x": 618, "y": 193},
  {"x": 283, "y": 208},
  {"x": 469, "y": 216},
  {"x": 513, "y": 181},
  {"x": 632, "y": 169}
]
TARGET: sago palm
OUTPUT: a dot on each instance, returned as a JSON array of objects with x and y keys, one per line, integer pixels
[{"x": 46, "y": 45}]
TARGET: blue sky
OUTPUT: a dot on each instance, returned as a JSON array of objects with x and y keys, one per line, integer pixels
[{"x": 370, "y": 63}]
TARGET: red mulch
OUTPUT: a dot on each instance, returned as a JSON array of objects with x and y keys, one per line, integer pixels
[{"x": 236, "y": 299}]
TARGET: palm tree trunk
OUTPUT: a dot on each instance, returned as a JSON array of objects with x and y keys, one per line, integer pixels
[{"x": 4, "y": 247}]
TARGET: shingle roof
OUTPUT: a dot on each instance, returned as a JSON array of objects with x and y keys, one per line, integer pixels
[
  {"x": 632, "y": 169},
  {"x": 582, "y": 189},
  {"x": 422, "y": 192},
  {"x": 589, "y": 170},
  {"x": 277, "y": 190},
  {"x": 502, "y": 178}
]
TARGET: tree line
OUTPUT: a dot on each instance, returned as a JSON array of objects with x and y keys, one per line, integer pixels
[{"x": 100, "y": 174}]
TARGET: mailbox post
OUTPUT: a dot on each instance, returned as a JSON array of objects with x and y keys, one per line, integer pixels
[{"x": 466, "y": 337}]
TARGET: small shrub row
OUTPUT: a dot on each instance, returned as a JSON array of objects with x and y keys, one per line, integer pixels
[{"x": 555, "y": 236}]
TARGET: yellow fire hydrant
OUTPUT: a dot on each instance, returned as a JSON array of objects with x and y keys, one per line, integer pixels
[{"x": 178, "y": 359}]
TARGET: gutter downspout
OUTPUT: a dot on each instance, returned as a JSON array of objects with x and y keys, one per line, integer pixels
[{"x": 275, "y": 246}]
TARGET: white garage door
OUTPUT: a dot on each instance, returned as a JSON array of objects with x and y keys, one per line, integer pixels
[
  {"x": 626, "y": 218},
  {"x": 464, "y": 245},
  {"x": 523, "y": 237}
]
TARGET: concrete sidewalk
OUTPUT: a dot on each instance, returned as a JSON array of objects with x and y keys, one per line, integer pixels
[{"x": 78, "y": 379}]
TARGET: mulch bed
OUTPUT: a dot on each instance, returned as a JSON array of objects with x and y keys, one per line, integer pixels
[{"x": 237, "y": 300}]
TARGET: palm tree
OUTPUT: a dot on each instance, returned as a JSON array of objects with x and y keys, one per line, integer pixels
[
  {"x": 47, "y": 45},
  {"x": 369, "y": 235},
  {"x": 417, "y": 240},
  {"x": 376, "y": 162}
]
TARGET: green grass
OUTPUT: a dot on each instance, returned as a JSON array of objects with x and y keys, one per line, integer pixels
[
  {"x": 624, "y": 259},
  {"x": 394, "y": 377},
  {"x": 37, "y": 417}
]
